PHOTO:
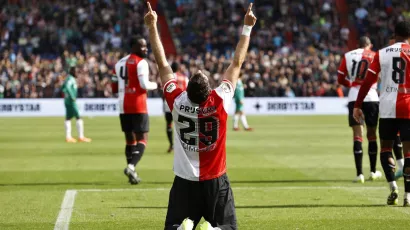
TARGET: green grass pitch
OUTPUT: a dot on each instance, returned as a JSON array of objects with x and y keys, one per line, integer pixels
[{"x": 292, "y": 172}]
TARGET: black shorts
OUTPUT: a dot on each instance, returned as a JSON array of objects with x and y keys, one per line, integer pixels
[
  {"x": 389, "y": 128},
  {"x": 168, "y": 117},
  {"x": 370, "y": 111},
  {"x": 211, "y": 199},
  {"x": 134, "y": 122}
]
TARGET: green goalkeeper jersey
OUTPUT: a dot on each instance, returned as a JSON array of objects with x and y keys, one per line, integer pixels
[
  {"x": 70, "y": 89},
  {"x": 239, "y": 91}
]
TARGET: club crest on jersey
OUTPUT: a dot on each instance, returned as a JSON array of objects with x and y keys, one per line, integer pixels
[
  {"x": 171, "y": 87},
  {"x": 226, "y": 88}
]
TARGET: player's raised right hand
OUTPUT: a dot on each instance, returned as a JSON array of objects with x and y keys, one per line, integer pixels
[
  {"x": 358, "y": 115},
  {"x": 250, "y": 18},
  {"x": 151, "y": 17}
]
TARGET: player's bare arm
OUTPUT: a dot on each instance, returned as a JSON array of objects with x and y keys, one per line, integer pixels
[
  {"x": 234, "y": 68},
  {"x": 370, "y": 79},
  {"x": 165, "y": 70}
]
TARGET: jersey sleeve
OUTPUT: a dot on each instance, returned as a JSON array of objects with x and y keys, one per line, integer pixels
[
  {"x": 171, "y": 91},
  {"x": 370, "y": 79},
  {"x": 143, "y": 76},
  {"x": 342, "y": 74},
  {"x": 343, "y": 68},
  {"x": 375, "y": 65},
  {"x": 226, "y": 92}
]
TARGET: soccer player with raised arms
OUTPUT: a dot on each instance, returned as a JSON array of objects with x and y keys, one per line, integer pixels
[
  {"x": 201, "y": 187},
  {"x": 69, "y": 89},
  {"x": 393, "y": 65}
]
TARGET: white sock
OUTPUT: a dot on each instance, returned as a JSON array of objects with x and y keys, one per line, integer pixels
[
  {"x": 67, "y": 125},
  {"x": 407, "y": 195},
  {"x": 393, "y": 185},
  {"x": 244, "y": 121},
  {"x": 80, "y": 128},
  {"x": 131, "y": 166},
  {"x": 400, "y": 164},
  {"x": 236, "y": 121}
]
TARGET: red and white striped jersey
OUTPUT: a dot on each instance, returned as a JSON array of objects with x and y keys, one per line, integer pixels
[
  {"x": 182, "y": 82},
  {"x": 133, "y": 82},
  {"x": 393, "y": 64},
  {"x": 353, "y": 70},
  {"x": 200, "y": 151}
]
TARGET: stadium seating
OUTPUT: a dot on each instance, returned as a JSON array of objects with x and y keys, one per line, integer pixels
[{"x": 295, "y": 50}]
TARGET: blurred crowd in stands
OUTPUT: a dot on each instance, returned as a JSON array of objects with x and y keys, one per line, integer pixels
[{"x": 295, "y": 49}]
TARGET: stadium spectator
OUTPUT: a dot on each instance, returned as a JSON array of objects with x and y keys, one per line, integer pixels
[{"x": 296, "y": 48}]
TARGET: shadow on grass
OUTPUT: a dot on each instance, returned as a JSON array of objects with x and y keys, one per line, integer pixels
[
  {"x": 287, "y": 181},
  {"x": 170, "y": 182},
  {"x": 284, "y": 206},
  {"x": 56, "y": 184}
]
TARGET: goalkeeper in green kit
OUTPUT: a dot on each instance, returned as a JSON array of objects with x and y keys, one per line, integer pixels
[
  {"x": 70, "y": 95},
  {"x": 239, "y": 98}
]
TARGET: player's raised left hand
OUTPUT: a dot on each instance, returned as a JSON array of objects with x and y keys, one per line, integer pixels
[
  {"x": 250, "y": 18},
  {"x": 358, "y": 115},
  {"x": 151, "y": 17}
]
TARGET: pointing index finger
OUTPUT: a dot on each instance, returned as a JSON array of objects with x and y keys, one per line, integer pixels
[
  {"x": 250, "y": 8},
  {"x": 149, "y": 7}
]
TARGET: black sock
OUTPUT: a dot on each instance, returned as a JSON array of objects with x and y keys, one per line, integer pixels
[
  {"x": 373, "y": 155},
  {"x": 388, "y": 164},
  {"x": 398, "y": 148},
  {"x": 169, "y": 135},
  {"x": 137, "y": 153},
  {"x": 406, "y": 167},
  {"x": 128, "y": 153},
  {"x": 358, "y": 156}
]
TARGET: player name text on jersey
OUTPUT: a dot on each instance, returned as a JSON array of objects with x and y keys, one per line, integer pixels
[{"x": 198, "y": 110}]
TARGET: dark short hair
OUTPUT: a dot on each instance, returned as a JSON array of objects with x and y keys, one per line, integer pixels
[
  {"x": 174, "y": 67},
  {"x": 198, "y": 88},
  {"x": 364, "y": 41},
  {"x": 134, "y": 40},
  {"x": 71, "y": 71},
  {"x": 402, "y": 29}
]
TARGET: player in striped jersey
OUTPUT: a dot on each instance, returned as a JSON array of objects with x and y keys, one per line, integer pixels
[
  {"x": 201, "y": 186},
  {"x": 397, "y": 145},
  {"x": 393, "y": 64},
  {"x": 132, "y": 74},
  {"x": 351, "y": 73}
]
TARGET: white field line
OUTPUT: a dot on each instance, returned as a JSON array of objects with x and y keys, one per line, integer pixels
[{"x": 63, "y": 219}]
